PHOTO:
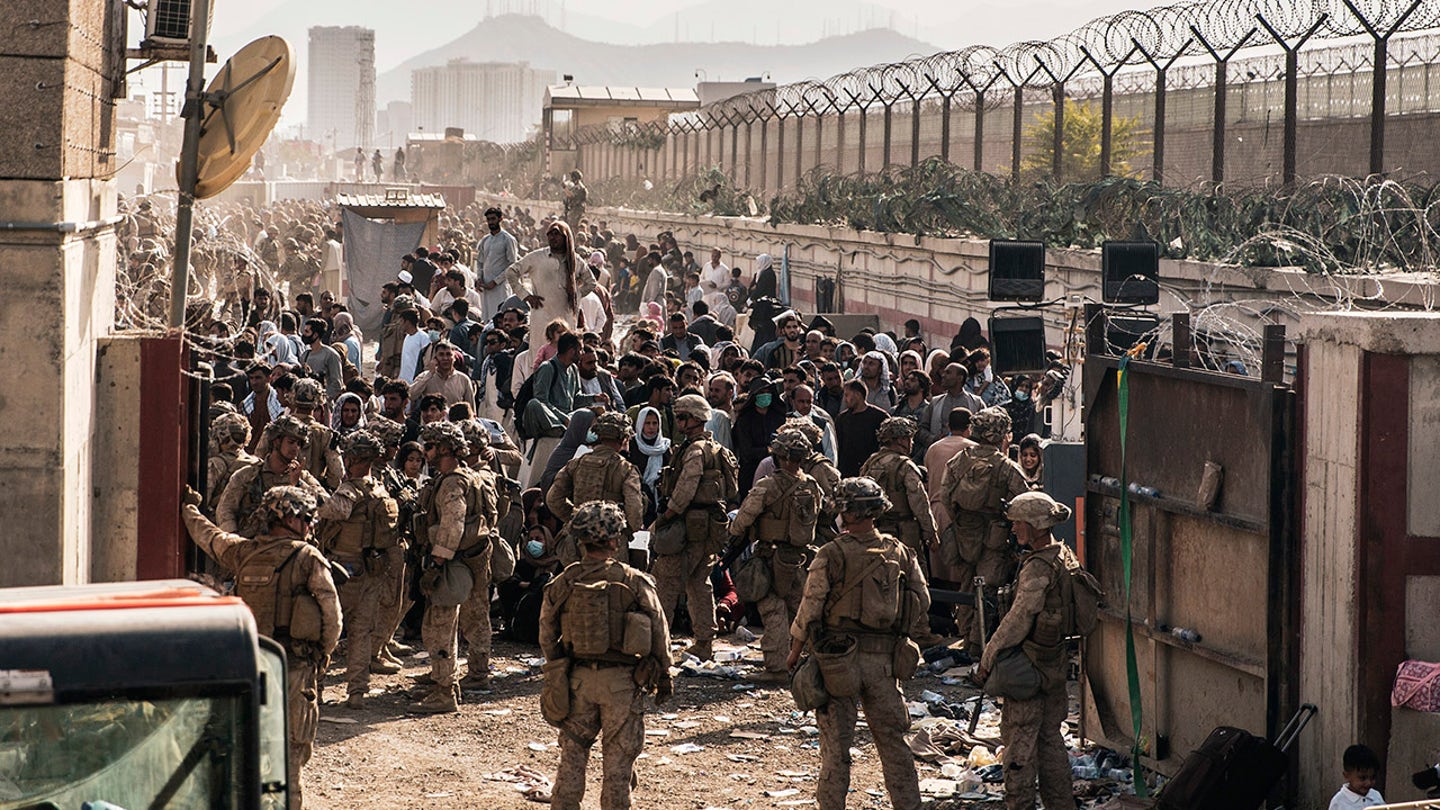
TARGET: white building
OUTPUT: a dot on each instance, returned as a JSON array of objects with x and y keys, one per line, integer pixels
[
  {"x": 341, "y": 111},
  {"x": 495, "y": 101}
]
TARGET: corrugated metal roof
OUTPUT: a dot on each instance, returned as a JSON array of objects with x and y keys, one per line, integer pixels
[
  {"x": 381, "y": 201},
  {"x": 642, "y": 95}
]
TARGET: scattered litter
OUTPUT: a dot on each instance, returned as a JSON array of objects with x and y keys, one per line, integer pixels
[
  {"x": 657, "y": 732},
  {"x": 742, "y": 757},
  {"x": 530, "y": 783},
  {"x": 749, "y": 735},
  {"x": 795, "y": 803},
  {"x": 499, "y": 712},
  {"x": 793, "y": 774},
  {"x": 441, "y": 795},
  {"x": 721, "y": 718},
  {"x": 783, "y": 794},
  {"x": 686, "y": 725},
  {"x": 980, "y": 756},
  {"x": 537, "y": 746},
  {"x": 729, "y": 655},
  {"x": 531, "y": 661},
  {"x": 686, "y": 748},
  {"x": 344, "y": 721},
  {"x": 669, "y": 716},
  {"x": 742, "y": 687},
  {"x": 743, "y": 635}
]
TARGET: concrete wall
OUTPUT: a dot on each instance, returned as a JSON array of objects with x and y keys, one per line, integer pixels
[
  {"x": 56, "y": 159},
  {"x": 1370, "y": 542},
  {"x": 116, "y": 502}
]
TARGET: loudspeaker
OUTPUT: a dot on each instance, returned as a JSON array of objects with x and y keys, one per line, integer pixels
[
  {"x": 1017, "y": 270},
  {"x": 1017, "y": 344},
  {"x": 1130, "y": 272},
  {"x": 1123, "y": 331}
]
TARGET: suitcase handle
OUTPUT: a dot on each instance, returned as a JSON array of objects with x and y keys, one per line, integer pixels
[{"x": 1296, "y": 725}]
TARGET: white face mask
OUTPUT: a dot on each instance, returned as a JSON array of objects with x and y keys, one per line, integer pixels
[{"x": 989, "y": 374}]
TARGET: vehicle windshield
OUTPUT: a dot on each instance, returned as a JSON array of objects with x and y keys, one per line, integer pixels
[{"x": 180, "y": 752}]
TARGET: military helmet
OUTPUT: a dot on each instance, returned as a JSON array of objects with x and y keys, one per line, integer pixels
[
  {"x": 791, "y": 445},
  {"x": 232, "y": 427},
  {"x": 862, "y": 497},
  {"x": 279, "y": 503},
  {"x": 447, "y": 434},
  {"x": 896, "y": 427},
  {"x": 612, "y": 425},
  {"x": 692, "y": 405},
  {"x": 805, "y": 425},
  {"x": 282, "y": 426},
  {"x": 402, "y": 303},
  {"x": 475, "y": 435},
  {"x": 597, "y": 523},
  {"x": 1037, "y": 509},
  {"x": 307, "y": 393},
  {"x": 990, "y": 426},
  {"x": 388, "y": 431},
  {"x": 362, "y": 445}
]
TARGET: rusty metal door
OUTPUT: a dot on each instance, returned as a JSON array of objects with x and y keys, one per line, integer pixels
[{"x": 1226, "y": 572}]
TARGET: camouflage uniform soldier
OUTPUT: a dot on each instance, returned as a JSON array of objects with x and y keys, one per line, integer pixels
[
  {"x": 357, "y": 530},
  {"x": 700, "y": 481},
  {"x": 287, "y": 585},
  {"x": 322, "y": 453},
  {"x": 601, "y": 475},
  {"x": 782, "y": 509},
  {"x": 823, "y": 470},
  {"x": 392, "y": 338},
  {"x": 1039, "y": 619},
  {"x": 606, "y": 643},
  {"x": 979, "y": 481},
  {"x": 231, "y": 434},
  {"x": 283, "y": 440},
  {"x": 390, "y": 602},
  {"x": 863, "y": 597},
  {"x": 457, "y": 514},
  {"x": 909, "y": 516}
]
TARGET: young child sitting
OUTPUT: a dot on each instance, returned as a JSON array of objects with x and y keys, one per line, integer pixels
[{"x": 1361, "y": 768}]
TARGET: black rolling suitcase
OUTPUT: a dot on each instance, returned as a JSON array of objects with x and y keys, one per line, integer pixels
[{"x": 1233, "y": 769}]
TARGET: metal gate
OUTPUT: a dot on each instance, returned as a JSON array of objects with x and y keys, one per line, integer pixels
[{"x": 1226, "y": 572}]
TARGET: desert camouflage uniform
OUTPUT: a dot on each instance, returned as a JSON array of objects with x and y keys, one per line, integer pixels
[
  {"x": 604, "y": 696},
  {"x": 696, "y": 484},
  {"x": 305, "y": 662},
  {"x": 600, "y": 475}
]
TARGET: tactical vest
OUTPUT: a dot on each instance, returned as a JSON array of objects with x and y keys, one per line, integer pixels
[
  {"x": 392, "y": 340},
  {"x": 230, "y": 463},
  {"x": 825, "y": 530},
  {"x": 479, "y": 503},
  {"x": 868, "y": 592},
  {"x": 718, "y": 479},
  {"x": 371, "y": 526},
  {"x": 600, "y": 617},
  {"x": 247, "y": 514},
  {"x": 791, "y": 515},
  {"x": 598, "y": 477},
  {"x": 1056, "y": 619},
  {"x": 322, "y": 441},
  {"x": 270, "y": 582},
  {"x": 888, "y": 469}
]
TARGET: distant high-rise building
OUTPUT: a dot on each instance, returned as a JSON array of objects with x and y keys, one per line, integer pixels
[
  {"x": 494, "y": 101},
  {"x": 342, "y": 87},
  {"x": 394, "y": 123}
]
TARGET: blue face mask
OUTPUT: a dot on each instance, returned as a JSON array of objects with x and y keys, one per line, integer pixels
[
  {"x": 591, "y": 437},
  {"x": 1022, "y": 395},
  {"x": 762, "y": 400},
  {"x": 434, "y": 335},
  {"x": 534, "y": 548}
]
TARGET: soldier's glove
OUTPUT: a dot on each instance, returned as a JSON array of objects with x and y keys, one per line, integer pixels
[
  {"x": 190, "y": 497},
  {"x": 664, "y": 690}
]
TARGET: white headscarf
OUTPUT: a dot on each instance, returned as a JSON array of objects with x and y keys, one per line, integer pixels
[
  {"x": 654, "y": 451},
  {"x": 348, "y": 396},
  {"x": 763, "y": 262}
]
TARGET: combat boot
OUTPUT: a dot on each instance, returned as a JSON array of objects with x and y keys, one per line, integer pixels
[
  {"x": 398, "y": 650},
  {"x": 476, "y": 680},
  {"x": 388, "y": 657},
  {"x": 356, "y": 700},
  {"x": 438, "y": 701},
  {"x": 701, "y": 650},
  {"x": 379, "y": 666}
]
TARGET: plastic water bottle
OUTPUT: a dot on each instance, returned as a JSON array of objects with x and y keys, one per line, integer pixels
[{"x": 1185, "y": 634}]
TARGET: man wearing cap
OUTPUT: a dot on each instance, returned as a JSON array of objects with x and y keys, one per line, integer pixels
[
  {"x": 979, "y": 481},
  {"x": 552, "y": 280},
  {"x": 697, "y": 486},
  {"x": 496, "y": 252},
  {"x": 603, "y": 474},
  {"x": 356, "y": 529},
  {"x": 908, "y": 517},
  {"x": 777, "y": 519},
  {"x": 322, "y": 451},
  {"x": 595, "y": 683},
  {"x": 863, "y": 597},
  {"x": 280, "y": 465},
  {"x": 1039, "y": 619}
]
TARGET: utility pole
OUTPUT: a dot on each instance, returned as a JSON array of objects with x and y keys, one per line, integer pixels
[{"x": 193, "y": 113}]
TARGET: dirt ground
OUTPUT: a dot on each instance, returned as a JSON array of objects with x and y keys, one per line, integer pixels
[{"x": 756, "y": 750}]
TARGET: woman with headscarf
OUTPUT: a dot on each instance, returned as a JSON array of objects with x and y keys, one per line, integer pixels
[
  {"x": 552, "y": 280},
  {"x": 845, "y": 358},
  {"x": 766, "y": 283},
  {"x": 934, "y": 365},
  {"x": 969, "y": 337},
  {"x": 345, "y": 331},
  {"x": 572, "y": 445},
  {"x": 726, "y": 356},
  {"x": 348, "y": 414},
  {"x": 649, "y": 451}
]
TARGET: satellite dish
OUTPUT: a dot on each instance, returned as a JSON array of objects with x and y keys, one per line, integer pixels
[{"x": 241, "y": 107}]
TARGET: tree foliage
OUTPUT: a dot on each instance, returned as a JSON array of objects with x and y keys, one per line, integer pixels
[{"x": 1081, "y": 147}]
